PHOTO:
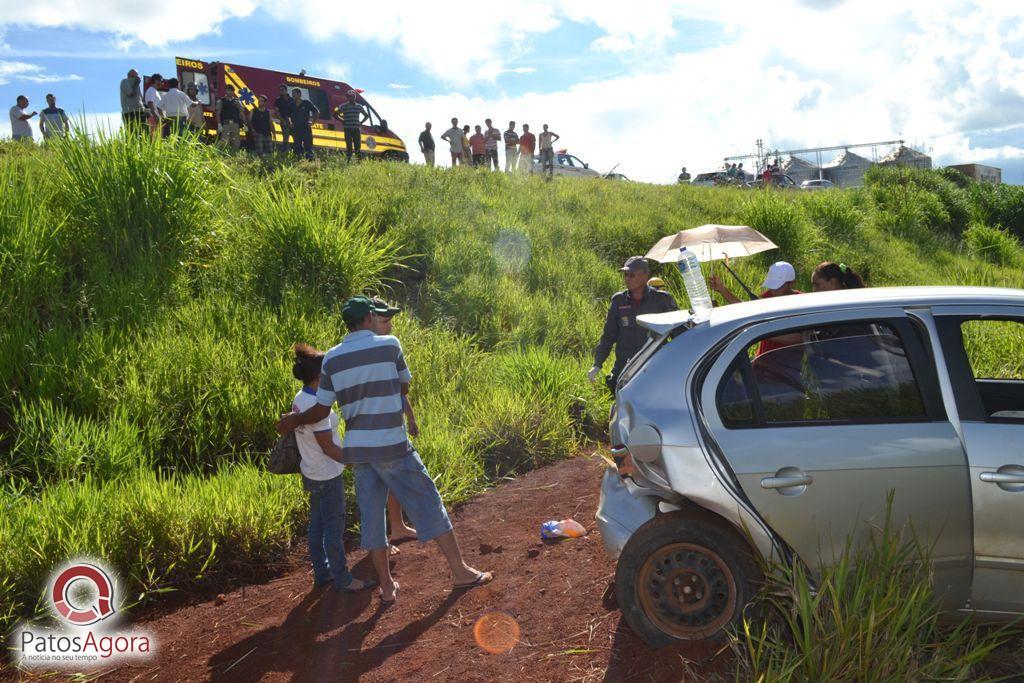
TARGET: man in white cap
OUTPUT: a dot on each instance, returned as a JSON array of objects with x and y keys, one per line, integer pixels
[{"x": 778, "y": 282}]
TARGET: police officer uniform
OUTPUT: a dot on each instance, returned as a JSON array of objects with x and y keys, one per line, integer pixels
[{"x": 620, "y": 328}]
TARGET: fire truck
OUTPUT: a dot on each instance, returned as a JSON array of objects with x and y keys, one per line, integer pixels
[{"x": 250, "y": 82}]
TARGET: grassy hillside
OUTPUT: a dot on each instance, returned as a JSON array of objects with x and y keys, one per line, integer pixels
[{"x": 151, "y": 293}]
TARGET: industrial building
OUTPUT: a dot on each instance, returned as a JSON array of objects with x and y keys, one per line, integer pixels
[{"x": 980, "y": 172}]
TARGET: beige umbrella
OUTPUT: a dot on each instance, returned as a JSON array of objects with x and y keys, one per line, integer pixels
[{"x": 711, "y": 243}]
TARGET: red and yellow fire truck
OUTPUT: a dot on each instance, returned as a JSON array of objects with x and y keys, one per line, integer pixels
[{"x": 250, "y": 82}]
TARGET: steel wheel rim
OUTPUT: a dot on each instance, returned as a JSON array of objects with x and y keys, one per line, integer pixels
[{"x": 687, "y": 590}]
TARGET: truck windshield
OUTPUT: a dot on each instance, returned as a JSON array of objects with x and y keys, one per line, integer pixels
[{"x": 374, "y": 119}]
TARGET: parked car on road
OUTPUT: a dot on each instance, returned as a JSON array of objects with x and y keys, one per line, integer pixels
[
  {"x": 817, "y": 184},
  {"x": 780, "y": 180},
  {"x": 786, "y": 454},
  {"x": 709, "y": 179},
  {"x": 565, "y": 164}
]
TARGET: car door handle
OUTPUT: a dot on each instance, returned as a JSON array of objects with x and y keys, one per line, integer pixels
[
  {"x": 787, "y": 481},
  {"x": 1002, "y": 477}
]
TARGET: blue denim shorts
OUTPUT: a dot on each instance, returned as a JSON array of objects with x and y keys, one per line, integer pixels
[{"x": 407, "y": 478}]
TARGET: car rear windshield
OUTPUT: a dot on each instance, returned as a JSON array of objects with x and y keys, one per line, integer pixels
[{"x": 652, "y": 346}]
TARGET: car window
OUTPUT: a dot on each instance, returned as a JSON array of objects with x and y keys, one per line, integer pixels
[
  {"x": 835, "y": 373},
  {"x": 576, "y": 162},
  {"x": 994, "y": 348},
  {"x": 564, "y": 160},
  {"x": 734, "y": 400}
]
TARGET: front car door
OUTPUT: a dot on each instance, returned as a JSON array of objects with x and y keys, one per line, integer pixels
[
  {"x": 836, "y": 411},
  {"x": 982, "y": 347}
]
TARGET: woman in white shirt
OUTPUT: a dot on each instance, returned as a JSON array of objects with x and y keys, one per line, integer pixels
[{"x": 321, "y": 468}]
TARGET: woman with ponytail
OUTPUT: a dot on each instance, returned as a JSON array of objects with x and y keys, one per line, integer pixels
[
  {"x": 830, "y": 276},
  {"x": 321, "y": 468}
]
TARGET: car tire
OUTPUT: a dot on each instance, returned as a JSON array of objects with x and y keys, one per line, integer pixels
[{"x": 684, "y": 576}]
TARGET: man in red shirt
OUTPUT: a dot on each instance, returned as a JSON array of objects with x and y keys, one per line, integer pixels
[
  {"x": 478, "y": 144},
  {"x": 527, "y": 143}
]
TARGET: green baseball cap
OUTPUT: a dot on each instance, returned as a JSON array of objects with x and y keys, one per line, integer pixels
[
  {"x": 382, "y": 307},
  {"x": 358, "y": 307}
]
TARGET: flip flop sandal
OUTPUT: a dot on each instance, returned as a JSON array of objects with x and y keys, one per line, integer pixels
[
  {"x": 482, "y": 579},
  {"x": 391, "y": 601}
]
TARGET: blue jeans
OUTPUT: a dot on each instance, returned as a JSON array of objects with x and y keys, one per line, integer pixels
[
  {"x": 407, "y": 479},
  {"x": 326, "y": 530}
]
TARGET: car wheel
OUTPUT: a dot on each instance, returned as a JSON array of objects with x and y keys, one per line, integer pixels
[{"x": 684, "y": 576}]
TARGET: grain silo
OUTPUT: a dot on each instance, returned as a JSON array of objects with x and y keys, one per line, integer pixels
[
  {"x": 847, "y": 170},
  {"x": 799, "y": 170},
  {"x": 905, "y": 156}
]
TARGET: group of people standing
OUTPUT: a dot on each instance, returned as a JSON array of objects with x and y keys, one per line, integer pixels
[
  {"x": 53, "y": 122},
  {"x": 480, "y": 149},
  {"x": 167, "y": 110},
  {"x": 642, "y": 296}
]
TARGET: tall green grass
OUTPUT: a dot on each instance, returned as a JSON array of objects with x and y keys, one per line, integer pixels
[
  {"x": 152, "y": 291},
  {"x": 871, "y": 616}
]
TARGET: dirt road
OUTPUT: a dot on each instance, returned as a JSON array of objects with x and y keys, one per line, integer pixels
[{"x": 558, "y": 595}]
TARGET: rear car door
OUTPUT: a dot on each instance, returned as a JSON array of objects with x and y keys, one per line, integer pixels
[
  {"x": 835, "y": 412},
  {"x": 982, "y": 347}
]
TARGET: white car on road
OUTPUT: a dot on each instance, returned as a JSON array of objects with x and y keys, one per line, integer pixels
[
  {"x": 814, "y": 185},
  {"x": 565, "y": 164}
]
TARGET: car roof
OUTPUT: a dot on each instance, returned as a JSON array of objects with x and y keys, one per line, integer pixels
[{"x": 847, "y": 299}]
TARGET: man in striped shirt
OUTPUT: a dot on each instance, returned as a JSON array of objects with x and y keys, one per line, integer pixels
[
  {"x": 352, "y": 117},
  {"x": 367, "y": 376}
]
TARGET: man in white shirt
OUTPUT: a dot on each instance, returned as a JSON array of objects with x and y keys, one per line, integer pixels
[
  {"x": 20, "y": 128},
  {"x": 151, "y": 101},
  {"x": 453, "y": 136},
  {"x": 547, "y": 153},
  {"x": 175, "y": 105}
]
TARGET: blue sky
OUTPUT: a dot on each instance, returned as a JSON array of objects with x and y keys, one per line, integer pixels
[{"x": 650, "y": 85}]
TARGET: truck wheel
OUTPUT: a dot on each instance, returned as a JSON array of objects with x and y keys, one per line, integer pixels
[{"x": 684, "y": 576}]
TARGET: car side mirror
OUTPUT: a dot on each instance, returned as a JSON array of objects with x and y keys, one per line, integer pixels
[
  {"x": 383, "y": 125},
  {"x": 586, "y": 165}
]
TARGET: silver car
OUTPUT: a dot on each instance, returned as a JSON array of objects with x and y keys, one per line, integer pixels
[
  {"x": 778, "y": 428},
  {"x": 818, "y": 184},
  {"x": 565, "y": 164}
]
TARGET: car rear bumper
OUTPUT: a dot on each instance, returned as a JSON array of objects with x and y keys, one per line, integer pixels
[{"x": 619, "y": 512}]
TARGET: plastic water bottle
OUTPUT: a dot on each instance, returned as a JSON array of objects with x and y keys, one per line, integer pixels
[
  {"x": 567, "y": 528},
  {"x": 696, "y": 288}
]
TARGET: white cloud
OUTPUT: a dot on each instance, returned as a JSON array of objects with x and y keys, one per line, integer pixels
[
  {"x": 50, "y": 78},
  {"x": 32, "y": 73},
  {"x": 149, "y": 23},
  {"x": 335, "y": 70},
  {"x": 613, "y": 44},
  {"x": 9, "y": 70},
  {"x": 399, "y": 86}
]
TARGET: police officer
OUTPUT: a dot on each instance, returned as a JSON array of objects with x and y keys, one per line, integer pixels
[{"x": 620, "y": 326}]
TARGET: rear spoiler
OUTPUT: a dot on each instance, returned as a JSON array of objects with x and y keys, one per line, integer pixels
[{"x": 663, "y": 323}]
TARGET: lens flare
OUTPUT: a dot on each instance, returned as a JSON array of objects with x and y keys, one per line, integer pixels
[{"x": 496, "y": 632}]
